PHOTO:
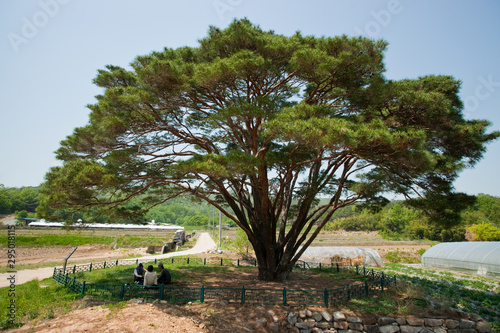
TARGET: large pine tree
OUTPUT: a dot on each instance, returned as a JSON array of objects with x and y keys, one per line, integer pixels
[{"x": 261, "y": 125}]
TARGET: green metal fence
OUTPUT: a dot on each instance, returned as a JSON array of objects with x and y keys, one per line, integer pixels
[
  {"x": 321, "y": 297},
  {"x": 204, "y": 261},
  {"x": 200, "y": 261}
]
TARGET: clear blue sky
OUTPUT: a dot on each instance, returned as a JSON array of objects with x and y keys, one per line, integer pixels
[{"x": 51, "y": 50}]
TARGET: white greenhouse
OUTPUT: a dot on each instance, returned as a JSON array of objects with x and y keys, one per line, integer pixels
[
  {"x": 348, "y": 256},
  {"x": 482, "y": 258}
]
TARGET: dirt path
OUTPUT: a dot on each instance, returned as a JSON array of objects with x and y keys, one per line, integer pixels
[{"x": 204, "y": 243}]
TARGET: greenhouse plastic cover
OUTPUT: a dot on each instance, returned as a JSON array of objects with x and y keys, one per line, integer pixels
[
  {"x": 482, "y": 257},
  {"x": 331, "y": 254},
  {"x": 108, "y": 226}
]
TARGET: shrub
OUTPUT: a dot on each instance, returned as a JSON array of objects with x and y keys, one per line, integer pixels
[
  {"x": 21, "y": 214},
  {"x": 486, "y": 232},
  {"x": 362, "y": 222}
]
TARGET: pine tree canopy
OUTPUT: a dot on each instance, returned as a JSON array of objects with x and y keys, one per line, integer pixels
[{"x": 262, "y": 126}]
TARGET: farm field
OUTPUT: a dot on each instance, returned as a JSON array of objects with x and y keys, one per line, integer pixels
[
  {"x": 115, "y": 244},
  {"x": 407, "y": 252},
  {"x": 37, "y": 248}
]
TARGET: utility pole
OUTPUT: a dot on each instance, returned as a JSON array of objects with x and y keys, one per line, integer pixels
[
  {"x": 220, "y": 230},
  {"x": 208, "y": 224},
  {"x": 213, "y": 221}
]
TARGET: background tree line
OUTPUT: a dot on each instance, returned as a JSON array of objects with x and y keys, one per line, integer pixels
[
  {"x": 24, "y": 201},
  {"x": 18, "y": 200},
  {"x": 395, "y": 221},
  {"x": 398, "y": 221}
]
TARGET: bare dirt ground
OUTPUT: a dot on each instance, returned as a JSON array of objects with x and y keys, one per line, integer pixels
[
  {"x": 232, "y": 277},
  {"x": 159, "y": 317},
  {"x": 132, "y": 317}
]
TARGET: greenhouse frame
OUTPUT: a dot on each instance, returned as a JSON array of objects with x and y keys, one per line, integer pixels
[{"x": 482, "y": 258}]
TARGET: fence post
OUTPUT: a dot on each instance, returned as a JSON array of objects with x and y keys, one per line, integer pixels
[
  {"x": 221, "y": 261},
  {"x": 104, "y": 264},
  {"x": 90, "y": 267},
  {"x": 155, "y": 261},
  {"x": 319, "y": 266},
  {"x": 382, "y": 281},
  {"x": 356, "y": 269},
  {"x": 238, "y": 262},
  {"x": 136, "y": 261},
  {"x": 83, "y": 288},
  {"x": 73, "y": 285},
  {"x": 204, "y": 261},
  {"x": 116, "y": 264},
  {"x": 366, "y": 288},
  {"x": 66, "y": 280},
  {"x": 364, "y": 270},
  {"x": 172, "y": 260},
  {"x": 373, "y": 274},
  {"x": 242, "y": 294},
  {"x": 188, "y": 260},
  {"x": 338, "y": 269},
  {"x": 325, "y": 296},
  {"x": 202, "y": 296},
  {"x": 161, "y": 292},
  {"x": 348, "y": 293},
  {"x": 255, "y": 262},
  {"x": 74, "y": 269},
  {"x": 122, "y": 291},
  {"x": 284, "y": 295}
]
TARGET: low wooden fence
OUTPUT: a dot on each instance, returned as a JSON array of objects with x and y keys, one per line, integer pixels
[{"x": 322, "y": 297}]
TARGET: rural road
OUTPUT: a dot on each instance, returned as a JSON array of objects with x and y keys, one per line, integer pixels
[{"x": 203, "y": 244}]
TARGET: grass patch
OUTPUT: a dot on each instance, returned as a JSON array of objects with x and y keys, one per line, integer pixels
[
  {"x": 52, "y": 240},
  {"x": 35, "y": 299},
  {"x": 333, "y": 274},
  {"x": 406, "y": 257},
  {"x": 7, "y": 268},
  {"x": 39, "y": 238}
]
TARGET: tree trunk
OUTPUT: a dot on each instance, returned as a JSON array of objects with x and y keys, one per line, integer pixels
[
  {"x": 272, "y": 264},
  {"x": 278, "y": 272}
]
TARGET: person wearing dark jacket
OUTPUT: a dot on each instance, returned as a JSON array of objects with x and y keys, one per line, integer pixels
[
  {"x": 139, "y": 274},
  {"x": 164, "y": 277}
]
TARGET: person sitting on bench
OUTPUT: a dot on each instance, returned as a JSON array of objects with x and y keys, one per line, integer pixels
[
  {"x": 139, "y": 274},
  {"x": 150, "y": 277},
  {"x": 164, "y": 277}
]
